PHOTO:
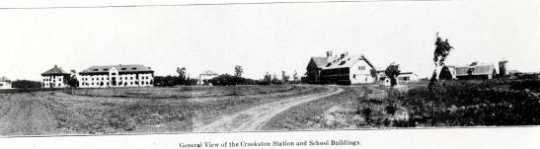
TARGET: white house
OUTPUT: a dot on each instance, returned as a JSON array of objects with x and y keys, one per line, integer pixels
[
  {"x": 5, "y": 83},
  {"x": 116, "y": 76},
  {"x": 205, "y": 76},
  {"x": 403, "y": 78},
  {"x": 54, "y": 78},
  {"x": 348, "y": 69}
]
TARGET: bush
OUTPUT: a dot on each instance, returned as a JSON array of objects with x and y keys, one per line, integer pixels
[
  {"x": 25, "y": 84},
  {"x": 173, "y": 81},
  {"x": 467, "y": 103},
  {"x": 226, "y": 79}
]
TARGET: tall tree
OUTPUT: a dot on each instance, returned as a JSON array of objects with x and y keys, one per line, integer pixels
[
  {"x": 181, "y": 73},
  {"x": 392, "y": 72},
  {"x": 72, "y": 80},
  {"x": 442, "y": 50},
  {"x": 295, "y": 77},
  {"x": 284, "y": 76},
  {"x": 238, "y": 71}
]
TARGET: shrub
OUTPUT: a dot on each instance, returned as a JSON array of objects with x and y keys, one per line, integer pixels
[{"x": 25, "y": 84}]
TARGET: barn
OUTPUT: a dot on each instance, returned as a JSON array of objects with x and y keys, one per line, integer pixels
[{"x": 348, "y": 69}]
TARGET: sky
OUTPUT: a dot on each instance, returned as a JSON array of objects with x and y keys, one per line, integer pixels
[{"x": 263, "y": 38}]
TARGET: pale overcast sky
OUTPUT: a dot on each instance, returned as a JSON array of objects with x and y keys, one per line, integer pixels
[{"x": 263, "y": 38}]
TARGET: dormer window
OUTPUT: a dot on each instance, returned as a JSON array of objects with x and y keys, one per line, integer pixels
[
  {"x": 342, "y": 62},
  {"x": 328, "y": 65},
  {"x": 124, "y": 68},
  {"x": 96, "y": 69},
  {"x": 106, "y": 69},
  {"x": 133, "y": 68}
]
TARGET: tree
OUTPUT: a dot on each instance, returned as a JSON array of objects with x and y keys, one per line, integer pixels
[
  {"x": 275, "y": 80},
  {"x": 267, "y": 79},
  {"x": 284, "y": 76},
  {"x": 442, "y": 50},
  {"x": 295, "y": 77},
  {"x": 181, "y": 73},
  {"x": 392, "y": 71},
  {"x": 72, "y": 79},
  {"x": 238, "y": 70},
  {"x": 25, "y": 84}
]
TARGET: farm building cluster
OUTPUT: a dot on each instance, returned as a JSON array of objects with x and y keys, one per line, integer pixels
[{"x": 347, "y": 69}]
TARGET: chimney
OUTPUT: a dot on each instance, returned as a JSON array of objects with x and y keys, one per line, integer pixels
[
  {"x": 329, "y": 54},
  {"x": 502, "y": 67}
]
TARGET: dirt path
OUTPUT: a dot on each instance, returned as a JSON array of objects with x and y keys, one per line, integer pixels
[{"x": 254, "y": 118}]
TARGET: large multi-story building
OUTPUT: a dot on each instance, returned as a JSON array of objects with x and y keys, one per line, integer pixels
[
  {"x": 55, "y": 78},
  {"x": 116, "y": 76}
]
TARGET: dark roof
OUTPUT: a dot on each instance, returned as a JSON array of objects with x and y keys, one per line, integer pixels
[
  {"x": 54, "y": 71},
  {"x": 319, "y": 61},
  {"x": 347, "y": 61},
  {"x": 482, "y": 69},
  {"x": 121, "y": 69},
  {"x": 208, "y": 72}
]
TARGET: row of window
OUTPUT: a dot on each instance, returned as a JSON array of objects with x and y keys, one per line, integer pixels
[
  {"x": 119, "y": 84},
  {"x": 120, "y": 78},
  {"x": 59, "y": 79}
]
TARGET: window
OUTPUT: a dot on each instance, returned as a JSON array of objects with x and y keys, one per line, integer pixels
[
  {"x": 133, "y": 68},
  {"x": 342, "y": 62},
  {"x": 113, "y": 73},
  {"x": 362, "y": 68},
  {"x": 354, "y": 76},
  {"x": 96, "y": 69},
  {"x": 123, "y": 69}
]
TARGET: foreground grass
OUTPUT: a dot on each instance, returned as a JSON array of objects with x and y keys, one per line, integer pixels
[
  {"x": 164, "y": 110},
  {"x": 332, "y": 112},
  {"x": 450, "y": 103}
]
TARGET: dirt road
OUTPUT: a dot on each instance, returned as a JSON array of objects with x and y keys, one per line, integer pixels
[{"x": 254, "y": 118}]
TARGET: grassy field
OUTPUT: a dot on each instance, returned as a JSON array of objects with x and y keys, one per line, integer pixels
[
  {"x": 153, "y": 110},
  {"x": 130, "y": 110},
  {"x": 450, "y": 103}
]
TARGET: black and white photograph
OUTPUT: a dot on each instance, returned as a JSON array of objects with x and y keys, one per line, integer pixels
[{"x": 120, "y": 67}]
